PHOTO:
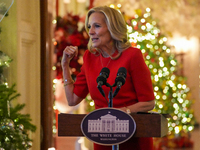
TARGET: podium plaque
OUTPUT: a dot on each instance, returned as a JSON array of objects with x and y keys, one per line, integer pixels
[
  {"x": 148, "y": 124},
  {"x": 108, "y": 126}
]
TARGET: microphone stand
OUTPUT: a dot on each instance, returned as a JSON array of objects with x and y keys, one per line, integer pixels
[
  {"x": 110, "y": 104},
  {"x": 110, "y": 97},
  {"x": 121, "y": 76}
]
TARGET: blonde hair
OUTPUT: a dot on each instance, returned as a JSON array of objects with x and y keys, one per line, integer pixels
[{"x": 116, "y": 25}]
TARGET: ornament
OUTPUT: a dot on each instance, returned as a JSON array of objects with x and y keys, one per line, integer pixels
[
  {"x": 28, "y": 144},
  {"x": 7, "y": 124},
  {"x": 23, "y": 143},
  {"x": 20, "y": 127},
  {"x": 7, "y": 139}
]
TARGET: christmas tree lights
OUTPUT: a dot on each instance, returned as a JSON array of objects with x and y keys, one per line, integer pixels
[{"x": 170, "y": 90}]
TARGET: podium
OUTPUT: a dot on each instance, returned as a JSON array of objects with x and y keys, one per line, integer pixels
[{"x": 148, "y": 124}]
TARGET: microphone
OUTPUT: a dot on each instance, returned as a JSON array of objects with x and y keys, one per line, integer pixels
[
  {"x": 120, "y": 79},
  {"x": 102, "y": 78}
]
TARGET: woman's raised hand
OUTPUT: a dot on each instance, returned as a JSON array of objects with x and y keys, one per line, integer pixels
[{"x": 68, "y": 53}]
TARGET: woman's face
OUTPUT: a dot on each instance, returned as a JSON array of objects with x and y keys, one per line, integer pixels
[{"x": 98, "y": 31}]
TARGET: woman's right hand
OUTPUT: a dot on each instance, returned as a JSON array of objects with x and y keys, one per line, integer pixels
[{"x": 68, "y": 53}]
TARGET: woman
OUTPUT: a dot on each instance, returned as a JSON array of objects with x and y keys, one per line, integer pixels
[{"x": 109, "y": 47}]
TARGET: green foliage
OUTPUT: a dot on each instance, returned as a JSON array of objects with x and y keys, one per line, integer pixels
[{"x": 14, "y": 126}]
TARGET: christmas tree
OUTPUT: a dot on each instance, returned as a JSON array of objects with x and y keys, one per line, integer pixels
[
  {"x": 14, "y": 126},
  {"x": 170, "y": 89}
]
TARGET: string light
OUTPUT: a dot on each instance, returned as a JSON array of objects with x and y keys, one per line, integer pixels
[
  {"x": 160, "y": 106},
  {"x": 112, "y": 6},
  {"x": 148, "y": 9},
  {"x": 54, "y": 21},
  {"x": 143, "y": 20},
  {"x": 146, "y": 15},
  {"x": 156, "y": 88},
  {"x": 119, "y": 5},
  {"x": 54, "y": 68},
  {"x": 168, "y": 50},
  {"x": 92, "y": 103}
]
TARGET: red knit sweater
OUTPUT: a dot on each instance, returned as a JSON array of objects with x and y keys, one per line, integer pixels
[
  {"x": 137, "y": 88},
  {"x": 138, "y": 85}
]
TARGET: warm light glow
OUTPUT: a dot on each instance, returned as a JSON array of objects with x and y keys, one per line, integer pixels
[
  {"x": 134, "y": 23},
  {"x": 66, "y": 1},
  {"x": 148, "y": 9},
  {"x": 191, "y": 115},
  {"x": 173, "y": 62},
  {"x": 54, "y": 68},
  {"x": 130, "y": 29},
  {"x": 146, "y": 15},
  {"x": 177, "y": 130},
  {"x": 143, "y": 51},
  {"x": 190, "y": 128},
  {"x": 184, "y": 86},
  {"x": 184, "y": 127},
  {"x": 154, "y": 23},
  {"x": 165, "y": 39},
  {"x": 143, "y": 27},
  {"x": 184, "y": 120},
  {"x": 156, "y": 88},
  {"x": 179, "y": 86},
  {"x": 182, "y": 44},
  {"x": 112, "y": 5},
  {"x": 175, "y": 106},
  {"x": 180, "y": 100},
  {"x": 143, "y": 20},
  {"x": 168, "y": 50},
  {"x": 150, "y": 66},
  {"x": 164, "y": 97},
  {"x": 173, "y": 124},
  {"x": 170, "y": 128},
  {"x": 156, "y": 78},
  {"x": 119, "y": 5},
  {"x": 171, "y": 84},
  {"x": 55, "y": 81},
  {"x": 54, "y": 21},
  {"x": 89, "y": 97},
  {"x": 81, "y": 1},
  {"x": 92, "y": 103},
  {"x": 136, "y": 16},
  {"x": 54, "y": 107},
  {"x": 175, "y": 117},
  {"x": 148, "y": 57},
  {"x": 157, "y": 96}
]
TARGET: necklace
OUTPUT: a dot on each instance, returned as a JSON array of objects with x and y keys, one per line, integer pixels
[{"x": 102, "y": 61}]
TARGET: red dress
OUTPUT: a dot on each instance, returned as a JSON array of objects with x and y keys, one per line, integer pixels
[{"x": 137, "y": 88}]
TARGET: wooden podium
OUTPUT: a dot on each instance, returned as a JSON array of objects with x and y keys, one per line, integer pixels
[{"x": 147, "y": 124}]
